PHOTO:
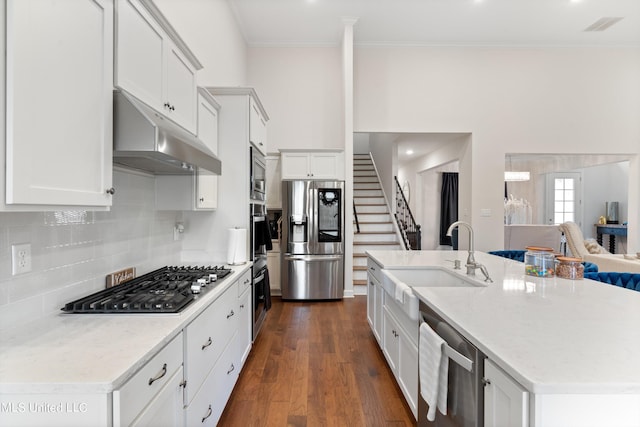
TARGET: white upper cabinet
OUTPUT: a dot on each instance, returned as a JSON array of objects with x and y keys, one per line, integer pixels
[
  {"x": 321, "y": 164},
  {"x": 274, "y": 182},
  {"x": 257, "y": 127},
  {"x": 207, "y": 184},
  {"x": 153, "y": 63},
  {"x": 200, "y": 190},
  {"x": 58, "y": 104}
]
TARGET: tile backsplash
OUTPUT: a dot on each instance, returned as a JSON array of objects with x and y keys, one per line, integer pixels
[{"x": 73, "y": 251}]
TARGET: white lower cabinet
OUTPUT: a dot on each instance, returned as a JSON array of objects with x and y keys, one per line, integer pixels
[
  {"x": 217, "y": 343},
  {"x": 402, "y": 356},
  {"x": 505, "y": 401},
  {"x": 375, "y": 294},
  {"x": 273, "y": 265},
  {"x": 136, "y": 402},
  {"x": 390, "y": 346},
  {"x": 209, "y": 402},
  {"x": 206, "y": 338},
  {"x": 245, "y": 315},
  {"x": 166, "y": 408}
]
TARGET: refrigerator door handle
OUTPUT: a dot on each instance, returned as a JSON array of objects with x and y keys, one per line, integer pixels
[{"x": 289, "y": 257}]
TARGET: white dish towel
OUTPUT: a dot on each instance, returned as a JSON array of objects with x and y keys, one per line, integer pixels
[
  {"x": 401, "y": 289},
  {"x": 434, "y": 371}
]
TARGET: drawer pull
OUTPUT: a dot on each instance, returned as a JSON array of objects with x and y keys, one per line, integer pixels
[
  {"x": 231, "y": 370},
  {"x": 230, "y": 314},
  {"x": 247, "y": 281},
  {"x": 241, "y": 305},
  {"x": 207, "y": 344},
  {"x": 160, "y": 375},
  {"x": 209, "y": 412}
]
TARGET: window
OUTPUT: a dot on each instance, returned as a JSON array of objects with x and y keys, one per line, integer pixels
[{"x": 563, "y": 197}]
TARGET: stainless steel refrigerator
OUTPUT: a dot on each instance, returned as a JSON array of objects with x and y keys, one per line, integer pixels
[{"x": 312, "y": 255}]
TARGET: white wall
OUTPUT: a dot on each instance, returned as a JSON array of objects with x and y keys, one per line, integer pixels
[
  {"x": 73, "y": 251},
  {"x": 425, "y": 179},
  {"x": 523, "y": 100},
  {"x": 431, "y": 191},
  {"x": 209, "y": 28},
  {"x": 385, "y": 157},
  {"x": 301, "y": 89}
]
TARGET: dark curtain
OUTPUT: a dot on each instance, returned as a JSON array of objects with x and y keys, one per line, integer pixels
[{"x": 448, "y": 205}]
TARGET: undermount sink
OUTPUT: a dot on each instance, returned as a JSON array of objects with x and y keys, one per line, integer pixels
[
  {"x": 430, "y": 277},
  {"x": 416, "y": 278}
]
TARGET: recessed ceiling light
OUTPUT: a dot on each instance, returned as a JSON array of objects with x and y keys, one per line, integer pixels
[{"x": 409, "y": 152}]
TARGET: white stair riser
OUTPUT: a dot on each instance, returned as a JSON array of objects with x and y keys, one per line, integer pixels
[
  {"x": 389, "y": 237},
  {"x": 359, "y": 275},
  {"x": 365, "y": 179},
  {"x": 361, "y": 201},
  {"x": 362, "y": 248},
  {"x": 359, "y": 261},
  {"x": 375, "y": 193},
  {"x": 374, "y": 227},
  {"x": 378, "y": 209},
  {"x": 357, "y": 186},
  {"x": 377, "y": 217},
  {"x": 370, "y": 174}
]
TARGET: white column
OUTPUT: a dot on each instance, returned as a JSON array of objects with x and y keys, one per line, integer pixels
[{"x": 347, "y": 87}]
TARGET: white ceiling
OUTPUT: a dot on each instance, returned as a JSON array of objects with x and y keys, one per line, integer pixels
[{"x": 438, "y": 22}]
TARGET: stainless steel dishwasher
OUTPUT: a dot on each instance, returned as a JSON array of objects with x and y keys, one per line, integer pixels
[{"x": 465, "y": 396}]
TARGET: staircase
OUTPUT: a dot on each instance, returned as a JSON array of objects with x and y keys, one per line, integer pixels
[{"x": 376, "y": 227}]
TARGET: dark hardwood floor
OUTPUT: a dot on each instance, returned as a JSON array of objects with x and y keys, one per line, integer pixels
[{"x": 316, "y": 364}]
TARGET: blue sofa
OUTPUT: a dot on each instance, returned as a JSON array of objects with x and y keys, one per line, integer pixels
[{"x": 623, "y": 280}]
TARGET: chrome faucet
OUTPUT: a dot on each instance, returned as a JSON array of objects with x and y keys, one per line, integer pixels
[{"x": 471, "y": 264}]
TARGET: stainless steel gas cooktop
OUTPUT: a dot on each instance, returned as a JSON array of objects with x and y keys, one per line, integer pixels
[{"x": 166, "y": 290}]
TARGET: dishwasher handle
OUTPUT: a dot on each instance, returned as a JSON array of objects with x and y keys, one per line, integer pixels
[
  {"x": 454, "y": 355},
  {"x": 461, "y": 360}
]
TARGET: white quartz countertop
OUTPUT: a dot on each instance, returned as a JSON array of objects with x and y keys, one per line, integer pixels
[
  {"x": 552, "y": 335},
  {"x": 91, "y": 353}
]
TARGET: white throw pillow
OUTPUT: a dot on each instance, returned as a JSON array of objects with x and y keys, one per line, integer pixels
[{"x": 594, "y": 248}]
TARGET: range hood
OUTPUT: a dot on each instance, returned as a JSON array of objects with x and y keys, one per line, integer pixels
[{"x": 144, "y": 139}]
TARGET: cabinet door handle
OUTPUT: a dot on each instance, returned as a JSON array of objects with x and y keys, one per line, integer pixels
[
  {"x": 247, "y": 281},
  {"x": 486, "y": 382},
  {"x": 230, "y": 314},
  {"x": 241, "y": 305},
  {"x": 172, "y": 108},
  {"x": 166, "y": 105},
  {"x": 207, "y": 344},
  {"x": 231, "y": 370},
  {"x": 201, "y": 199},
  {"x": 111, "y": 191},
  {"x": 162, "y": 373},
  {"x": 209, "y": 412}
]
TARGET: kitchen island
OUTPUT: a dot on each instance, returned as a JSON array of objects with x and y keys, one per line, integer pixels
[{"x": 571, "y": 345}]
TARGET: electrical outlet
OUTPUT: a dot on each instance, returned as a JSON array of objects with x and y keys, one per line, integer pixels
[{"x": 20, "y": 258}]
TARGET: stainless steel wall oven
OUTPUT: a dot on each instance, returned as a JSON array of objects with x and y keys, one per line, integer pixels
[{"x": 260, "y": 242}]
